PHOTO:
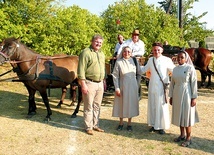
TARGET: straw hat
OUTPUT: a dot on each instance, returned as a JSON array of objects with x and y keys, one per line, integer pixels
[{"x": 137, "y": 32}]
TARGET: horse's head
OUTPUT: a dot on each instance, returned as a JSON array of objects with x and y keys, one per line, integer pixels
[{"x": 8, "y": 49}]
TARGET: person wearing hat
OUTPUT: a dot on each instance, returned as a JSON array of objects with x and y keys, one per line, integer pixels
[
  {"x": 137, "y": 46},
  {"x": 158, "y": 109}
]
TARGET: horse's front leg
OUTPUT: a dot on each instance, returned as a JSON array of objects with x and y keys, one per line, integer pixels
[
  {"x": 46, "y": 101},
  {"x": 209, "y": 73},
  {"x": 74, "y": 115},
  {"x": 31, "y": 101},
  {"x": 203, "y": 78},
  {"x": 64, "y": 90}
]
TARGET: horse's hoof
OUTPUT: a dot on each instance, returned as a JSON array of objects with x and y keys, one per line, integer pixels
[
  {"x": 31, "y": 114},
  {"x": 58, "y": 106},
  {"x": 208, "y": 86},
  {"x": 47, "y": 119},
  {"x": 73, "y": 116},
  {"x": 73, "y": 103}
]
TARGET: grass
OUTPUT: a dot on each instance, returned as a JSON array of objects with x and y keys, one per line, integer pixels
[{"x": 65, "y": 136}]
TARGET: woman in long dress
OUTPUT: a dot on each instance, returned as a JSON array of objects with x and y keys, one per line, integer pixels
[
  {"x": 126, "y": 77},
  {"x": 183, "y": 94}
]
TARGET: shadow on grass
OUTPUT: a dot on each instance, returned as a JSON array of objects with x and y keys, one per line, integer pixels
[
  {"x": 141, "y": 132},
  {"x": 15, "y": 106}
]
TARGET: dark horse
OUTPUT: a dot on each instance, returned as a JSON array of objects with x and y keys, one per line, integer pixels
[
  {"x": 201, "y": 58},
  {"x": 39, "y": 72}
]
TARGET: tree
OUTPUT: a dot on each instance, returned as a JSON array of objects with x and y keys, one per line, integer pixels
[
  {"x": 49, "y": 28},
  {"x": 192, "y": 29},
  {"x": 26, "y": 19},
  {"x": 71, "y": 29},
  {"x": 154, "y": 24}
]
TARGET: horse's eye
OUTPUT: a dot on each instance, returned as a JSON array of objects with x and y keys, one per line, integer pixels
[{"x": 10, "y": 47}]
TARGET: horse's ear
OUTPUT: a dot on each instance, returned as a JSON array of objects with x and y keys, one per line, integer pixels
[{"x": 18, "y": 39}]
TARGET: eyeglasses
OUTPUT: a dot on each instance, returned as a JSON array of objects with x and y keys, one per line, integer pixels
[
  {"x": 98, "y": 42},
  {"x": 127, "y": 51}
]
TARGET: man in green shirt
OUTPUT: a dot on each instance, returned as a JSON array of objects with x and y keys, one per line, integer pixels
[{"x": 91, "y": 72}]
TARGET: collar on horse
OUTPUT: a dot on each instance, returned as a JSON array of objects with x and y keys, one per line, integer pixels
[
  {"x": 26, "y": 76},
  {"x": 36, "y": 76}
]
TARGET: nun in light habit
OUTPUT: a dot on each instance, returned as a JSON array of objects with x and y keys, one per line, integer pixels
[
  {"x": 126, "y": 76},
  {"x": 183, "y": 94}
]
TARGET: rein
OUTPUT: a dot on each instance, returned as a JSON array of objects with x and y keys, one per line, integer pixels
[
  {"x": 41, "y": 57},
  {"x": 26, "y": 76},
  {"x": 6, "y": 72}
]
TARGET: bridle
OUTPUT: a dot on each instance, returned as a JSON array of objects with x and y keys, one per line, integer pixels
[
  {"x": 6, "y": 56},
  {"x": 13, "y": 62}
]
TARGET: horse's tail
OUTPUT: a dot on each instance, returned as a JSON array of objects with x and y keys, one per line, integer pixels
[
  {"x": 73, "y": 87},
  {"x": 212, "y": 61}
]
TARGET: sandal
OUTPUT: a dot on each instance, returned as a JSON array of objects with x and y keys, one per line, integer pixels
[
  {"x": 178, "y": 139},
  {"x": 161, "y": 132},
  {"x": 186, "y": 143},
  {"x": 129, "y": 128},
  {"x": 120, "y": 127},
  {"x": 151, "y": 129}
]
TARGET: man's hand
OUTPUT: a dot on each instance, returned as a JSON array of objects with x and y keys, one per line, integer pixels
[
  {"x": 170, "y": 101},
  {"x": 84, "y": 87},
  {"x": 193, "y": 102},
  {"x": 117, "y": 92}
]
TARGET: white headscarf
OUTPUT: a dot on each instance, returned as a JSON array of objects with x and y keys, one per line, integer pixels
[
  {"x": 188, "y": 59},
  {"x": 121, "y": 53}
]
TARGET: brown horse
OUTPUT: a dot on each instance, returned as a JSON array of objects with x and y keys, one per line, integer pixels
[
  {"x": 39, "y": 72},
  {"x": 201, "y": 58}
]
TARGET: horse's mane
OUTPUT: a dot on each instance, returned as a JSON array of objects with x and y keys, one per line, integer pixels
[
  {"x": 12, "y": 39},
  {"x": 8, "y": 40}
]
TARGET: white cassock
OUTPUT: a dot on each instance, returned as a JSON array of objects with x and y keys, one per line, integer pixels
[{"x": 158, "y": 109}]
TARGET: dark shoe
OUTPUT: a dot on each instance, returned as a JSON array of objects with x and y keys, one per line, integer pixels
[
  {"x": 151, "y": 129},
  {"x": 178, "y": 139},
  {"x": 98, "y": 129},
  {"x": 186, "y": 143},
  {"x": 89, "y": 132},
  {"x": 120, "y": 127},
  {"x": 161, "y": 132},
  {"x": 129, "y": 128}
]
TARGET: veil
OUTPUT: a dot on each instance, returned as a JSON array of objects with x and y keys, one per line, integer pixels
[{"x": 188, "y": 59}]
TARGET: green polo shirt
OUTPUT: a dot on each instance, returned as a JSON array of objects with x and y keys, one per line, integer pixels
[{"x": 91, "y": 65}]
